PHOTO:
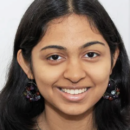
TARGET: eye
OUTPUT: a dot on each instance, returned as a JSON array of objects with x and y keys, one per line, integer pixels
[
  {"x": 91, "y": 55},
  {"x": 54, "y": 57}
]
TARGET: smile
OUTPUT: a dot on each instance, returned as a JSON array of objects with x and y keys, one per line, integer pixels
[{"x": 74, "y": 91}]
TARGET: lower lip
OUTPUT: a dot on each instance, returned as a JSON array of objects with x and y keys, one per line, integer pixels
[{"x": 74, "y": 97}]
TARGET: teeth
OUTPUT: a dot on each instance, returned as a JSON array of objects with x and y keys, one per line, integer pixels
[{"x": 74, "y": 91}]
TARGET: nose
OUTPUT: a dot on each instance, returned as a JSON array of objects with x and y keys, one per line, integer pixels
[{"x": 74, "y": 72}]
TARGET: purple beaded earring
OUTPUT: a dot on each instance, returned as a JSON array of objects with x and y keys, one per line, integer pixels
[
  {"x": 31, "y": 92},
  {"x": 112, "y": 91}
]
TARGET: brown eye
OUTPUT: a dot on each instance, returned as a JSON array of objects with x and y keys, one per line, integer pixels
[
  {"x": 54, "y": 57},
  {"x": 91, "y": 55}
]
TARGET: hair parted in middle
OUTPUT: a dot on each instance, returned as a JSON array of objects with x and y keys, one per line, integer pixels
[{"x": 32, "y": 28}]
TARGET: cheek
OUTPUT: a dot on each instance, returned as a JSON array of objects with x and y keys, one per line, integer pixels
[
  {"x": 99, "y": 72},
  {"x": 45, "y": 75},
  {"x": 99, "y": 75}
]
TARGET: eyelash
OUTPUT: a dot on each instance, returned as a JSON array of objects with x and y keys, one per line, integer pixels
[
  {"x": 93, "y": 54},
  {"x": 50, "y": 58}
]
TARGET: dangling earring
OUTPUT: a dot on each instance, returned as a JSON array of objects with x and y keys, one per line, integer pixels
[
  {"x": 112, "y": 91},
  {"x": 31, "y": 91}
]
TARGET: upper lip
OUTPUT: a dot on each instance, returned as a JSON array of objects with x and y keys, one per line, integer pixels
[{"x": 73, "y": 87}]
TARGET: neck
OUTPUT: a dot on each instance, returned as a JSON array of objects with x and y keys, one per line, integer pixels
[{"x": 52, "y": 119}]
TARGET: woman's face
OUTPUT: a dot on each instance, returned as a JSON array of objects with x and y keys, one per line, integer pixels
[{"x": 71, "y": 65}]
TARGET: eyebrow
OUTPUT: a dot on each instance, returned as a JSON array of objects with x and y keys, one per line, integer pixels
[
  {"x": 64, "y": 48},
  {"x": 91, "y": 43},
  {"x": 54, "y": 47}
]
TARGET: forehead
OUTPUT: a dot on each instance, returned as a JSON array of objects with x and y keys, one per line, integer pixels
[
  {"x": 72, "y": 23},
  {"x": 71, "y": 29}
]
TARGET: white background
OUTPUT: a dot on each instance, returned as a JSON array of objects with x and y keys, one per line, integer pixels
[{"x": 11, "y": 12}]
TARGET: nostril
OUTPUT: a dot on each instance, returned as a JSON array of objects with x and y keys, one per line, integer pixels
[{"x": 74, "y": 75}]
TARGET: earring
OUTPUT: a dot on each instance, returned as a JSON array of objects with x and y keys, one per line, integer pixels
[
  {"x": 31, "y": 92},
  {"x": 112, "y": 91}
]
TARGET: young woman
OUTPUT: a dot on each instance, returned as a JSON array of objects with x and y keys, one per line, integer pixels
[{"x": 69, "y": 70}]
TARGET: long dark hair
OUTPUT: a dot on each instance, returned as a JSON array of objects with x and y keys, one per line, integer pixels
[{"x": 16, "y": 113}]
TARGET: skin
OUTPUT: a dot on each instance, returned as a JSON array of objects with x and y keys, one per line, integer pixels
[{"x": 73, "y": 68}]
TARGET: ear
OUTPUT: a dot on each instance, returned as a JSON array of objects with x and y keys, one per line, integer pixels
[
  {"x": 115, "y": 57},
  {"x": 24, "y": 65}
]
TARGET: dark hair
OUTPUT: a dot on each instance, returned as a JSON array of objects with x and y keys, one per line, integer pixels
[{"x": 16, "y": 113}]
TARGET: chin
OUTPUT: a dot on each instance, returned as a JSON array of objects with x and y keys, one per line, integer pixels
[{"x": 74, "y": 111}]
